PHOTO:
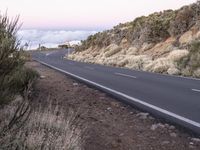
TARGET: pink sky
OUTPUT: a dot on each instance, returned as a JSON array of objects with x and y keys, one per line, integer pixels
[{"x": 83, "y": 14}]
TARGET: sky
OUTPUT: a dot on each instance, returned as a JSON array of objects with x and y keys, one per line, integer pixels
[{"x": 83, "y": 14}]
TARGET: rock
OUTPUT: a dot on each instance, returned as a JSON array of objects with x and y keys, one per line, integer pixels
[
  {"x": 171, "y": 127},
  {"x": 75, "y": 84},
  {"x": 42, "y": 77},
  {"x": 142, "y": 115},
  {"x": 131, "y": 112},
  {"x": 115, "y": 104},
  {"x": 122, "y": 134},
  {"x": 161, "y": 125},
  {"x": 167, "y": 125},
  {"x": 173, "y": 134},
  {"x": 191, "y": 143},
  {"x": 155, "y": 126},
  {"x": 151, "y": 118},
  {"x": 165, "y": 142},
  {"x": 109, "y": 108}
]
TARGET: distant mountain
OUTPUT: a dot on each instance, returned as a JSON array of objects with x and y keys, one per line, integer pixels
[{"x": 163, "y": 42}]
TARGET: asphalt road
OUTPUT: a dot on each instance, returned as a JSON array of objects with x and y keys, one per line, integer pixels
[{"x": 172, "y": 98}]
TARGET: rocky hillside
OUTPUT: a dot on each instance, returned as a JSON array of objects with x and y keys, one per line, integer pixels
[{"x": 163, "y": 42}]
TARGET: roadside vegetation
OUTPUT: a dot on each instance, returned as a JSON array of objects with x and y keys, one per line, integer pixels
[
  {"x": 16, "y": 82},
  {"x": 163, "y": 42},
  {"x": 14, "y": 77},
  {"x": 190, "y": 65},
  {"x": 26, "y": 123}
]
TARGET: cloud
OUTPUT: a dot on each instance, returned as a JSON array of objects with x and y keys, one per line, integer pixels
[{"x": 51, "y": 38}]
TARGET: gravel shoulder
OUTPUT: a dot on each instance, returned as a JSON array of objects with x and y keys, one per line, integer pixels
[{"x": 104, "y": 122}]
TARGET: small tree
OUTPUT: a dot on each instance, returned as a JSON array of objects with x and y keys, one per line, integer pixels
[
  {"x": 9, "y": 45},
  {"x": 9, "y": 50}
]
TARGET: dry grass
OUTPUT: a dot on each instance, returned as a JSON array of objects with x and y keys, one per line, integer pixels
[
  {"x": 111, "y": 50},
  {"x": 160, "y": 65},
  {"x": 197, "y": 73},
  {"x": 40, "y": 127},
  {"x": 177, "y": 55},
  {"x": 139, "y": 62},
  {"x": 113, "y": 55}
]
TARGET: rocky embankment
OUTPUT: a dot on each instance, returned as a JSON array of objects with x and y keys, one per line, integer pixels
[{"x": 163, "y": 42}]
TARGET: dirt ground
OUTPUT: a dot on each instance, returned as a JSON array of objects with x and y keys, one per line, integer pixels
[{"x": 105, "y": 123}]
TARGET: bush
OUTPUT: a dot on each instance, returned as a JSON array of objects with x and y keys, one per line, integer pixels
[
  {"x": 13, "y": 76},
  {"x": 192, "y": 61},
  {"x": 16, "y": 83},
  {"x": 9, "y": 45}
]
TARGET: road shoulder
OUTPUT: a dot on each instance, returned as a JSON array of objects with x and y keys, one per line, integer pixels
[{"x": 103, "y": 122}]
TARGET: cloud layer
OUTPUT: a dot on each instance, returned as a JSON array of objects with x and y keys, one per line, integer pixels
[{"x": 51, "y": 38}]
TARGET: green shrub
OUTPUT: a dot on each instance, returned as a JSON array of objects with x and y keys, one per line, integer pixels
[
  {"x": 21, "y": 78},
  {"x": 14, "y": 78},
  {"x": 192, "y": 61},
  {"x": 16, "y": 82}
]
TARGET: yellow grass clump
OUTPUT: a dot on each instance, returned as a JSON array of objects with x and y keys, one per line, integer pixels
[
  {"x": 176, "y": 55},
  {"x": 113, "y": 49},
  {"x": 197, "y": 73},
  {"x": 138, "y": 62}
]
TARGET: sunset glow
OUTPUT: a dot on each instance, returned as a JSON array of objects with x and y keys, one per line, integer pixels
[{"x": 83, "y": 14}]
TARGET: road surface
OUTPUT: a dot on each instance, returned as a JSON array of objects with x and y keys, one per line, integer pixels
[{"x": 172, "y": 98}]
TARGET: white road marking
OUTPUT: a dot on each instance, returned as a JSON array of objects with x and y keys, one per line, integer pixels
[
  {"x": 168, "y": 75},
  {"x": 89, "y": 67},
  {"x": 125, "y": 75},
  {"x": 196, "y": 90},
  {"x": 47, "y": 54},
  {"x": 186, "y": 120}
]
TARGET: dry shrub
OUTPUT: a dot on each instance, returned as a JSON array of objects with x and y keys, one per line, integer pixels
[
  {"x": 111, "y": 50},
  {"x": 177, "y": 55},
  {"x": 190, "y": 64},
  {"x": 138, "y": 62},
  {"x": 122, "y": 63},
  {"x": 167, "y": 64},
  {"x": 132, "y": 51},
  {"x": 160, "y": 65},
  {"x": 70, "y": 56},
  {"x": 187, "y": 37},
  {"x": 173, "y": 71},
  {"x": 197, "y": 73},
  {"x": 50, "y": 127}
]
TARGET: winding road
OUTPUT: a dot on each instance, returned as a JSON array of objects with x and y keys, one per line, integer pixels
[{"x": 175, "y": 99}]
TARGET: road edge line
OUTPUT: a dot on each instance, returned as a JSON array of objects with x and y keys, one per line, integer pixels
[{"x": 171, "y": 114}]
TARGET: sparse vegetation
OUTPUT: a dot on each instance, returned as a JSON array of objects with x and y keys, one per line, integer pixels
[
  {"x": 14, "y": 77},
  {"x": 161, "y": 42},
  {"x": 36, "y": 127},
  {"x": 190, "y": 65}
]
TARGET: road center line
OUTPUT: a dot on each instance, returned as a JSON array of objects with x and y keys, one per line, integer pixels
[
  {"x": 125, "y": 75},
  {"x": 89, "y": 67},
  {"x": 195, "y": 90},
  {"x": 49, "y": 53}
]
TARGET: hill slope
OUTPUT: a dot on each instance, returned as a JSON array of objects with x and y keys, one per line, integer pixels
[{"x": 163, "y": 42}]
